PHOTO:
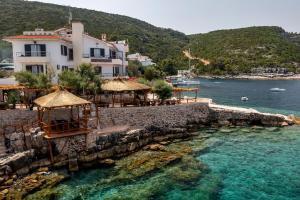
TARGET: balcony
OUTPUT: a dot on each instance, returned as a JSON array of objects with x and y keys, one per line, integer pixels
[
  {"x": 33, "y": 57},
  {"x": 102, "y": 60}
]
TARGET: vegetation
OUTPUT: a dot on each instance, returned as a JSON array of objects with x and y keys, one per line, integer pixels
[
  {"x": 3, "y": 74},
  {"x": 158, "y": 43},
  {"x": 82, "y": 81},
  {"x": 229, "y": 51},
  {"x": 240, "y": 50},
  {"x": 13, "y": 97},
  {"x": 33, "y": 81},
  {"x": 152, "y": 73},
  {"x": 162, "y": 89}
]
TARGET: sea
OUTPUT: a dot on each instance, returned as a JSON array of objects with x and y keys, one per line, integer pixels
[{"x": 234, "y": 163}]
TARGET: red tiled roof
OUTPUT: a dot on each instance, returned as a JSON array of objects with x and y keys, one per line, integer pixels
[{"x": 52, "y": 37}]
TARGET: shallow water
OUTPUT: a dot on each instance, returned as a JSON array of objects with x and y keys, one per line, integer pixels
[
  {"x": 230, "y": 164},
  {"x": 226, "y": 164}
]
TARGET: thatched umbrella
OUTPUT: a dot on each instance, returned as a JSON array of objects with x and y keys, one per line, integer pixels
[{"x": 122, "y": 86}]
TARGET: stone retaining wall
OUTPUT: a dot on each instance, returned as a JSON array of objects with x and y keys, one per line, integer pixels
[{"x": 145, "y": 125}]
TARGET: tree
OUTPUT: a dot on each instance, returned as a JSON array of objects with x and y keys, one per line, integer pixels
[
  {"x": 162, "y": 89},
  {"x": 13, "y": 97},
  {"x": 82, "y": 81},
  {"x": 40, "y": 82},
  {"x": 151, "y": 73},
  {"x": 169, "y": 67},
  {"x": 33, "y": 81},
  {"x": 134, "y": 69}
]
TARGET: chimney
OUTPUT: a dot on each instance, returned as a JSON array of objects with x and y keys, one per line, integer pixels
[
  {"x": 103, "y": 36},
  {"x": 77, "y": 40}
]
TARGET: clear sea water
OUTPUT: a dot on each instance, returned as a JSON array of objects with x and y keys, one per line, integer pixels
[{"x": 237, "y": 163}]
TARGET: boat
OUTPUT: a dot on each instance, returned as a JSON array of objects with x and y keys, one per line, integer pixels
[
  {"x": 188, "y": 82},
  {"x": 277, "y": 90},
  {"x": 244, "y": 99}
]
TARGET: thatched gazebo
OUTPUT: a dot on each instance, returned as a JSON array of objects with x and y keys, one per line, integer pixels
[
  {"x": 120, "y": 86},
  {"x": 179, "y": 91},
  {"x": 61, "y": 99},
  {"x": 62, "y": 124}
]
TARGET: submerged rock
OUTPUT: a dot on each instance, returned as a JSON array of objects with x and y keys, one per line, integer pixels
[{"x": 35, "y": 182}]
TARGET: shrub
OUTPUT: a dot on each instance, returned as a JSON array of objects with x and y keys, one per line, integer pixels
[
  {"x": 162, "y": 89},
  {"x": 13, "y": 97},
  {"x": 152, "y": 73},
  {"x": 34, "y": 81}
]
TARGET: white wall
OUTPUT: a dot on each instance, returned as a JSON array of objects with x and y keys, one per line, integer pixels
[
  {"x": 53, "y": 50},
  {"x": 89, "y": 42}
]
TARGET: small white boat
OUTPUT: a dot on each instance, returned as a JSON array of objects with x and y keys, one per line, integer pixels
[
  {"x": 244, "y": 99},
  {"x": 277, "y": 90},
  {"x": 188, "y": 82}
]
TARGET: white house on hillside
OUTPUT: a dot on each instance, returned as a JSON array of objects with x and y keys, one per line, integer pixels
[
  {"x": 144, "y": 60},
  {"x": 52, "y": 52}
]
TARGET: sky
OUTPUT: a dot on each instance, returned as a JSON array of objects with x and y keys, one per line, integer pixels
[{"x": 200, "y": 16}]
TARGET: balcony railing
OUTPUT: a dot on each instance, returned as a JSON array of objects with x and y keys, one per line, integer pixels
[
  {"x": 110, "y": 75},
  {"x": 101, "y": 57},
  {"x": 33, "y": 54}
]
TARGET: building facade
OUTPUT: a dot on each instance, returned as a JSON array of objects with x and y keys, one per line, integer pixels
[
  {"x": 51, "y": 52},
  {"x": 144, "y": 60}
]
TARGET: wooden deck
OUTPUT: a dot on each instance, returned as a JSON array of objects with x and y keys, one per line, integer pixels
[{"x": 67, "y": 134}]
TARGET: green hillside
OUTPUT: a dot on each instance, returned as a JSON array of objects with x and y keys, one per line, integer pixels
[
  {"x": 18, "y": 15},
  {"x": 245, "y": 48},
  {"x": 229, "y": 51}
]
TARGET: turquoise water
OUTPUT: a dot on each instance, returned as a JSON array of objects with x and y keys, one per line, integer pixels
[{"x": 226, "y": 164}]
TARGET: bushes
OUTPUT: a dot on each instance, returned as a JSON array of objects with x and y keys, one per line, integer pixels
[
  {"x": 151, "y": 73},
  {"x": 162, "y": 89},
  {"x": 82, "y": 81},
  {"x": 33, "y": 81}
]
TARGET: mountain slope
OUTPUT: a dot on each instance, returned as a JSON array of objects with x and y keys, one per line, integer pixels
[
  {"x": 156, "y": 42},
  {"x": 246, "y": 48}
]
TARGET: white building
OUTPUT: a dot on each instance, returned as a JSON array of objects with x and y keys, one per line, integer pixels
[
  {"x": 52, "y": 52},
  {"x": 144, "y": 60}
]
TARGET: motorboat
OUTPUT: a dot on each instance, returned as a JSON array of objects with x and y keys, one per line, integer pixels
[
  {"x": 244, "y": 99},
  {"x": 188, "y": 82},
  {"x": 277, "y": 90}
]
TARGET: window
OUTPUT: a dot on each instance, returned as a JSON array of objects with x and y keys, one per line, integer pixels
[
  {"x": 58, "y": 67},
  {"x": 97, "y": 52},
  {"x": 98, "y": 70},
  {"x": 71, "y": 57},
  {"x": 64, "y": 68},
  {"x": 63, "y": 50},
  {"x": 112, "y": 54},
  {"x": 116, "y": 71},
  {"x": 35, "y": 69},
  {"x": 35, "y": 50}
]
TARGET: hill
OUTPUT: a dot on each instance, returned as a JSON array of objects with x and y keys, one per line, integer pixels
[
  {"x": 158, "y": 43},
  {"x": 240, "y": 50},
  {"x": 226, "y": 51}
]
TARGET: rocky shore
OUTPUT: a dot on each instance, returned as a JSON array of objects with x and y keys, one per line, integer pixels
[{"x": 148, "y": 128}]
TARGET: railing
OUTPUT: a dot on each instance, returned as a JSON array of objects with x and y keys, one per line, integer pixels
[
  {"x": 33, "y": 54},
  {"x": 62, "y": 126},
  {"x": 108, "y": 75},
  {"x": 101, "y": 57}
]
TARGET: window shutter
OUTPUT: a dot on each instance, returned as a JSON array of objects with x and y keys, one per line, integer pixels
[
  {"x": 102, "y": 52},
  {"x": 61, "y": 49},
  {"x": 65, "y": 50},
  {"x": 27, "y": 50},
  {"x": 43, "y": 50},
  {"x": 92, "y": 52}
]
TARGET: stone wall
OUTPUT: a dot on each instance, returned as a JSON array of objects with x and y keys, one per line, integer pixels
[
  {"x": 162, "y": 116},
  {"x": 137, "y": 127}
]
